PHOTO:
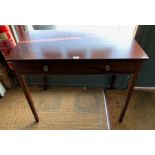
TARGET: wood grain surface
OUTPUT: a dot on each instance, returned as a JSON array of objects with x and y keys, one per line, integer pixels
[{"x": 58, "y": 45}]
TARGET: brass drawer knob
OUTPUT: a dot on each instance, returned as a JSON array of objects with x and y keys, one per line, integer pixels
[
  {"x": 45, "y": 68},
  {"x": 107, "y": 67}
]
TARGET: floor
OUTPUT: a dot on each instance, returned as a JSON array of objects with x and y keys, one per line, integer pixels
[
  {"x": 58, "y": 108},
  {"x": 141, "y": 111},
  {"x": 75, "y": 108}
]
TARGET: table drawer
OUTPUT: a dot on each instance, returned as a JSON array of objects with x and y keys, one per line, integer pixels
[{"x": 78, "y": 67}]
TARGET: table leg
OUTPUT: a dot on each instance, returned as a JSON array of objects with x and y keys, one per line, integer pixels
[
  {"x": 112, "y": 82},
  {"x": 129, "y": 92},
  {"x": 26, "y": 92},
  {"x": 45, "y": 82}
]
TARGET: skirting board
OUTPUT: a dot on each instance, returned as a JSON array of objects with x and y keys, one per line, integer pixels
[
  {"x": 2, "y": 90},
  {"x": 106, "y": 109},
  {"x": 144, "y": 88}
]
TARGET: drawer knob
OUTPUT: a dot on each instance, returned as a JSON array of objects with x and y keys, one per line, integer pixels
[
  {"x": 107, "y": 67},
  {"x": 45, "y": 68}
]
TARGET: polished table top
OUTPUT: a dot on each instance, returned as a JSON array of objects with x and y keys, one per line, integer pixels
[{"x": 66, "y": 45}]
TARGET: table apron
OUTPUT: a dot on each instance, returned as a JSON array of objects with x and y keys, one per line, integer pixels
[{"x": 112, "y": 67}]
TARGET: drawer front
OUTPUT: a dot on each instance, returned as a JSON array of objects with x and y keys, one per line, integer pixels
[{"x": 77, "y": 67}]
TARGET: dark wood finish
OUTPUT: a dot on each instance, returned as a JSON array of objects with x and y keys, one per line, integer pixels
[
  {"x": 61, "y": 45},
  {"x": 45, "y": 82},
  {"x": 130, "y": 90},
  {"x": 60, "y": 52},
  {"x": 24, "y": 86},
  {"x": 77, "y": 67},
  {"x": 112, "y": 82}
]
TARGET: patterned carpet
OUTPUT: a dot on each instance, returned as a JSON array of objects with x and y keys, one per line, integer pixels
[{"x": 58, "y": 108}]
